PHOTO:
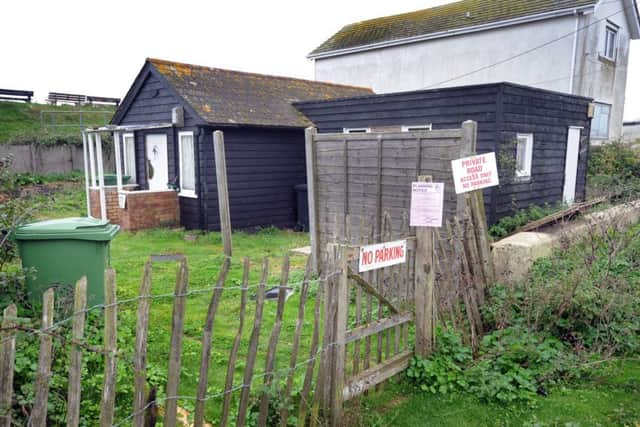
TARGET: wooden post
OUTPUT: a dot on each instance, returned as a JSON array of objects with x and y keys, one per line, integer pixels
[
  {"x": 110, "y": 347},
  {"x": 7, "y": 363},
  {"x": 310, "y": 151},
  {"x": 207, "y": 337},
  {"x": 75, "y": 367},
  {"x": 175, "y": 352},
  {"x": 41, "y": 400},
  {"x": 223, "y": 191},
  {"x": 340, "y": 328},
  {"x": 468, "y": 148},
  {"x": 140, "y": 356},
  {"x": 424, "y": 288}
]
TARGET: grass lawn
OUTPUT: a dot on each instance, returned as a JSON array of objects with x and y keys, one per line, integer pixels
[
  {"x": 129, "y": 252},
  {"x": 610, "y": 397},
  {"x": 22, "y": 122}
]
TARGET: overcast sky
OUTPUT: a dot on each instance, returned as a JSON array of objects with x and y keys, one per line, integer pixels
[{"x": 98, "y": 47}]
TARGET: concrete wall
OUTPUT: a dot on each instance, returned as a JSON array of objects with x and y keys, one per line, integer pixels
[
  {"x": 47, "y": 159},
  {"x": 603, "y": 80},
  {"x": 427, "y": 64}
]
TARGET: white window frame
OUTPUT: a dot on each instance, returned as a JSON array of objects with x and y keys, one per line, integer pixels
[
  {"x": 187, "y": 193},
  {"x": 127, "y": 167},
  {"x": 595, "y": 116},
  {"x": 613, "y": 29},
  {"x": 412, "y": 128},
  {"x": 525, "y": 173},
  {"x": 356, "y": 130}
]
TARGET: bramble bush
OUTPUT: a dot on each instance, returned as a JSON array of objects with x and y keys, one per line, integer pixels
[{"x": 579, "y": 304}]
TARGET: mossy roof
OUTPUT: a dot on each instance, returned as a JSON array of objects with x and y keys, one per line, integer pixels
[
  {"x": 448, "y": 17},
  {"x": 225, "y": 97}
]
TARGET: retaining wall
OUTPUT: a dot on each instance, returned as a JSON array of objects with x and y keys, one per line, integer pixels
[
  {"x": 46, "y": 159},
  {"x": 513, "y": 256}
]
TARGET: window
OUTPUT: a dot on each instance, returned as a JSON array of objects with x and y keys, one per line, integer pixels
[
  {"x": 600, "y": 121},
  {"x": 610, "y": 42},
  {"x": 356, "y": 130},
  {"x": 186, "y": 150},
  {"x": 524, "y": 155},
  {"x": 413, "y": 128},
  {"x": 129, "y": 148}
]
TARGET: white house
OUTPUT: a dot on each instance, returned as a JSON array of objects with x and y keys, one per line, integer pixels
[{"x": 573, "y": 46}]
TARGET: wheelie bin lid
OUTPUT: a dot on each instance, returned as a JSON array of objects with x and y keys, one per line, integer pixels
[{"x": 81, "y": 228}]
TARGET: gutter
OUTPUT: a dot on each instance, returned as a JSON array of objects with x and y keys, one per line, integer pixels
[{"x": 454, "y": 32}]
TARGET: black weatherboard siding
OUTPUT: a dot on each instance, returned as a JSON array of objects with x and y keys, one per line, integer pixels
[
  {"x": 263, "y": 165},
  {"x": 501, "y": 110},
  {"x": 263, "y": 131}
]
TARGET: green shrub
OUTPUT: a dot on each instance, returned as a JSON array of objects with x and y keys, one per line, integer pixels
[
  {"x": 514, "y": 365},
  {"x": 587, "y": 296},
  {"x": 614, "y": 168}
]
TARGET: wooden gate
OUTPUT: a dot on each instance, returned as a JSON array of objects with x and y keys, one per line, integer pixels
[{"x": 370, "y": 314}]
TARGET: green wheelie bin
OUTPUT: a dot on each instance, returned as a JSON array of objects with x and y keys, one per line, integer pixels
[{"x": 63, "y": 250}]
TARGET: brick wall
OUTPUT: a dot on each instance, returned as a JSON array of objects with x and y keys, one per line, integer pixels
[
  {"x": 111, "y": 197},
  {"x": 150, "y": 209}
]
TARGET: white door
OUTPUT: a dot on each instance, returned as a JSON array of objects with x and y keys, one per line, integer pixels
[
  {"x": 571, "y": 165},
  {"x": 157, "y": 162}
]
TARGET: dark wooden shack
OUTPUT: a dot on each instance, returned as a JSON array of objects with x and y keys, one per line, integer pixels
[
  {"x": 264, "y": 138},
  {"x": 541, "y": 138}
]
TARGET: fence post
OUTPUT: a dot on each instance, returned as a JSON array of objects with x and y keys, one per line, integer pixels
[
  {"x": 424, "y": 288},
  {"x": 339, "y": 345},
  {"x": 310, "y": 151},
  {"x": 468, "y": 148},
  {"x": 39, "y": 413},
  {"x": 7, "y": 363},
  {"x": 175, "y": 352},
  {"x": 75, "y": 368},
  {"x": 110, "y": 347},
  {"x": 223, "y": 191}
]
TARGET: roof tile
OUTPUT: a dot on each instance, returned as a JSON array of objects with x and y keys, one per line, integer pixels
[
  {"x": 232, "y": 97},
  {"x": 452, "y": 16}
]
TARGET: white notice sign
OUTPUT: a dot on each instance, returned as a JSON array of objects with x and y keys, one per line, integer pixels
[
  {"x": 475, "y": 172},
  {"x": 427, "y": 202},
  {"x": 382, "y": 255}
]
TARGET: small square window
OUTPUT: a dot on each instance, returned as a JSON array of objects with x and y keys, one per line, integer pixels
[
  {"x": 610, "y": 42},
  {"x": 356, "y": 130},
  {"x": 524, "y": 155}
]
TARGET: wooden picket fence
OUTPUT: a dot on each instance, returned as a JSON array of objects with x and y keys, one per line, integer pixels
[
  {"x": 366, "y": 328},
  {"x": 144, "y": 405}
]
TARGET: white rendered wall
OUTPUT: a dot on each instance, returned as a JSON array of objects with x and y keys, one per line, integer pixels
[
  {"x": 429, "y": 64},
  {"x": 598, "y": 78}
]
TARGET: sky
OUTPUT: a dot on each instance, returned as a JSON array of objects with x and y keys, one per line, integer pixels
[{"x": 98, "y": 47}]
